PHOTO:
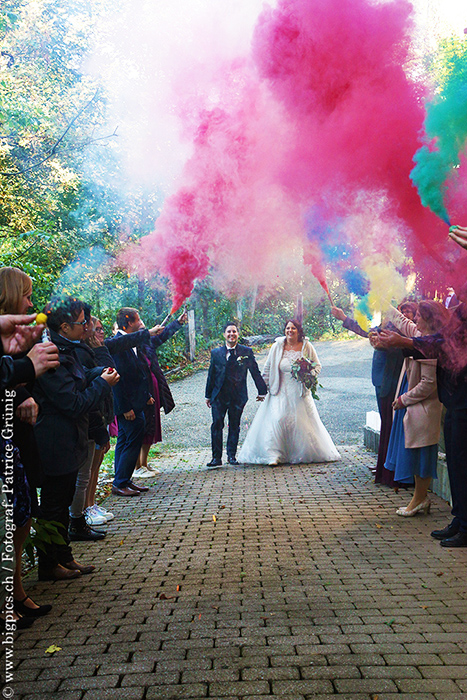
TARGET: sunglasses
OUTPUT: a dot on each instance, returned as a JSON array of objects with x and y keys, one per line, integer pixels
[{"x": 78, "y": 323}]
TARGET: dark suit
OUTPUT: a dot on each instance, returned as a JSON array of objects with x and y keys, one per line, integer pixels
[
  {"x": 131, "y": 393},
  {"x": 226, "y": 389}
]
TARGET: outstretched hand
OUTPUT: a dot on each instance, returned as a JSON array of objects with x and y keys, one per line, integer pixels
[
  {"x": 391, "y": 339},
  {"x": 17, "y": 335},
  {"x": 459, "y": 235},
  {"x": 338, "y": 313}
]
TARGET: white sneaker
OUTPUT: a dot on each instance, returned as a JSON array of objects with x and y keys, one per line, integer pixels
[
  {"x": 94, "y": 518},
  {"x": 102, "y": 511},
  {"x": 143, "y": 473}
]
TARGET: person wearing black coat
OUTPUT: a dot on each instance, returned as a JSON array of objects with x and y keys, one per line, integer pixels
[
  {"x": 131, "y": 395},
  {"x": 65, "y": 398},
  {"x": 226, "y": 391}
]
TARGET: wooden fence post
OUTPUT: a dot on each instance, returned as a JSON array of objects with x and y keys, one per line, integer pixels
[{"x": 192, "y": 333}]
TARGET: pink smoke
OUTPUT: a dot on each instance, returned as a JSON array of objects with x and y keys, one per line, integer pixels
[
  {"x": 337, "y": 66},
  {"x": 321, "y": 112}
]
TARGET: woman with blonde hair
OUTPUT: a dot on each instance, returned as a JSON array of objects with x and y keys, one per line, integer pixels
[
  {"x": 15, "y": 291},
  {"x": 15, "y": 298},
  {"x": 413, "y": 445}
]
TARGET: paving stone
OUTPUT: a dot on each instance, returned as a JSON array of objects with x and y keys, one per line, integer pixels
[{"x": 292, "y": 592}]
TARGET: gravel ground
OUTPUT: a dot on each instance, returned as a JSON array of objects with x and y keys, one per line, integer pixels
[{"x": 346, "y": 396}]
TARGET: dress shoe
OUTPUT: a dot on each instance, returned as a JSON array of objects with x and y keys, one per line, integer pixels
[
  {"x": 20, "y": 607},
  {"x": 79, "y": 531},
  {"x": 422, "y": 507},
  {"x": 81, "y": 568},
  {"x": 233, "y": 460},
  {"x": 214, "y": 463},
  {"x": 459, "y": 540},
  {"x": 449, "y": 531},
  {"x": 57, "y": 573},
  {"x": 125, "y": 491},
  {"x": 141, "y": 489}
]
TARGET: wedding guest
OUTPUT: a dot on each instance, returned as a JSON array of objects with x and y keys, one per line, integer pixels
[
  {"x": 80, "y": 523},
  {"x": 15, "y": 298},
  {"x": 98, "y": 514},
  {"x": 451, "y": 298},
  {"x": 130, "y": 397},
  {"x": 160, "y": 394},
  {"x": 413, "y": 444},
  {"x": 14, "y": 487},
  {"x": 385, "y": 371},
  {"x": 65, "y": 398},
  {"x": 449, "y": 347}
]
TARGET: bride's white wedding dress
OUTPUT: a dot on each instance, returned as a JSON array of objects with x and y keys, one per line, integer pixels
[{"x": 287, "y": 428}]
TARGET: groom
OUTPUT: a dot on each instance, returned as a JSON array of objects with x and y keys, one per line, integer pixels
[{"x": 226, "y": 391}]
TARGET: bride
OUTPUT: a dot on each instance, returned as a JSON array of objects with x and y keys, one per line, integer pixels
[{"x": 287, "y": 428}]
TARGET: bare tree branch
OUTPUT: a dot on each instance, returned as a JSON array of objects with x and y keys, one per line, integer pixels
[{"x": 57, "y": 143}]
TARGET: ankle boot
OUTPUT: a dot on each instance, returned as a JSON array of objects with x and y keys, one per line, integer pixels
[{"x": 79, "y": 530}]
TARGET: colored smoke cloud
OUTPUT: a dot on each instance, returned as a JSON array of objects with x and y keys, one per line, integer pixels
[
  {"x": 305, "y": 140},
  {"x": 438, "y": 162}
]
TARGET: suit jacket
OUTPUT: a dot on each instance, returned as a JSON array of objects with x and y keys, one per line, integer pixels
[
  {"x": 229, "y": 379},
  {"x": 133, "y": 391},
  {"x": 65, "y": 397}
]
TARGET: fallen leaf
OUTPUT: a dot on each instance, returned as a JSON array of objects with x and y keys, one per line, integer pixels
[
  {"x": 440, "y": 573},
  {"x": 120, "y": 543},
  {"x": 214, "y": 518},
  {"x": 199, "y": 616},
  {"x": 52, "y": 649},
  {"x": 390, "y": 622},
  {"x": 178, "y": 588},
  {"x": 165, "y": 597},
  {"x": 222, "y": 507}
]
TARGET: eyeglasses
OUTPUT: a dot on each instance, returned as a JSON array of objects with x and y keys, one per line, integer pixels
[
  {"x": 78, "y": 323},
  {"x": 99, "y": 330}
]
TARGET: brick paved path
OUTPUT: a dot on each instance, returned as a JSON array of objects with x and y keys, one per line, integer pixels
[{"x": 304, "y": 585}]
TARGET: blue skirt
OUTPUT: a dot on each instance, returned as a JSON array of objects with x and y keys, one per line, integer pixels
[{"x": 406, "y": 462}]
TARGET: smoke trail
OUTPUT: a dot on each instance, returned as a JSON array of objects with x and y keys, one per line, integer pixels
[{"x": 437, "y": 162}]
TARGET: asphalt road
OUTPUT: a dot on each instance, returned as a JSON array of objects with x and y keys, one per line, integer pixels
[{"x": 346, "y": 396}]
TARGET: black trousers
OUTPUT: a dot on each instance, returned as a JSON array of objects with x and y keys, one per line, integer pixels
[
  {"x": 455, "y": 437},
  {"x": 56, "y": 496},
  {"x": 234, "y": 412}
]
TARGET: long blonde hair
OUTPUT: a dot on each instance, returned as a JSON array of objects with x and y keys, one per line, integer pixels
[{"x": 14, "y": 285}]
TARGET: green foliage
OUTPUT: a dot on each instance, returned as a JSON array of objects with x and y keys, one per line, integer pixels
[{"x": 42, "y": 532}]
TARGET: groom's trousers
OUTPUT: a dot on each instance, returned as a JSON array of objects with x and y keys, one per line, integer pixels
[{"x": 234, "y": 412}]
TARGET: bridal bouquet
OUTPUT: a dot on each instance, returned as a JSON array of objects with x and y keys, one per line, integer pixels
[{"x": 305, "y": 371}]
